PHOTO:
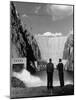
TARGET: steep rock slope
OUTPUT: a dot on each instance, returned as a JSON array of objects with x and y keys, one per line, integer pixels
[
  {"x": 23, "y": 43},
  {"x": 68, "y": 53}
]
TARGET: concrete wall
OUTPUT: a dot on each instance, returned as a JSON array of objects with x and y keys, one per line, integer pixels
[
  {"x": 51, "y": 47},
  {"x": 18, "y": 61}
]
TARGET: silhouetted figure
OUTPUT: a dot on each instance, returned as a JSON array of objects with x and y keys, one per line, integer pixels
[
  {"x": 61, "y": 73},
  {"x": 50, "y": 69}
]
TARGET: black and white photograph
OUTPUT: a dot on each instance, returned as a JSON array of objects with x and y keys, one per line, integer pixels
[{"x": 41, "y": 49}]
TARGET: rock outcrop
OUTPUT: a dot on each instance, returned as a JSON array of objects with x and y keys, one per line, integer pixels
[
  {"x": 68, "y": 53},
  {"x": 15, "y": 82}
]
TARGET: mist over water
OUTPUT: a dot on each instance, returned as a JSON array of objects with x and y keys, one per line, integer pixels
[
  {"x": 28, "y": 79},
  {"x": 40, "y": 78}
]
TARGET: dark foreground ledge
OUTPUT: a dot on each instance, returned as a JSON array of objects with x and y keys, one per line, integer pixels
[{"x": 41, "y": 91}]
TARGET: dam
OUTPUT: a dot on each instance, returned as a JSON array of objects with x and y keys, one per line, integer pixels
[{"x": 51, "y": 47}]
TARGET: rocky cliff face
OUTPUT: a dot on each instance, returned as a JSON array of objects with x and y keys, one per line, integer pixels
[
  {"x": 23, "y": 43},
  {"x": 68, "y": 53}
]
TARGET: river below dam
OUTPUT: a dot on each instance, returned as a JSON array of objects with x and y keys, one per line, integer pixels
[
  {"x": 40, "y": 78},
  {"x": 68, "y": 77}
]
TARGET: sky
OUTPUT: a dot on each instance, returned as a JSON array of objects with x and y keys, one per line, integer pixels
[{"x": 41, "y": 18}]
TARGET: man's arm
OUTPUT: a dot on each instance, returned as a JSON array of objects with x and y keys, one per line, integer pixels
[
  {"x": 53, "y": 67},
  {"x": 63, "y": 67}
]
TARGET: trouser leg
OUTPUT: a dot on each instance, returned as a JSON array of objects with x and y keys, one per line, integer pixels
[
  {"x": 51, "y": 80},
  {"x": 48, "y": 81},
  {"x": 61, "y": 78}
]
